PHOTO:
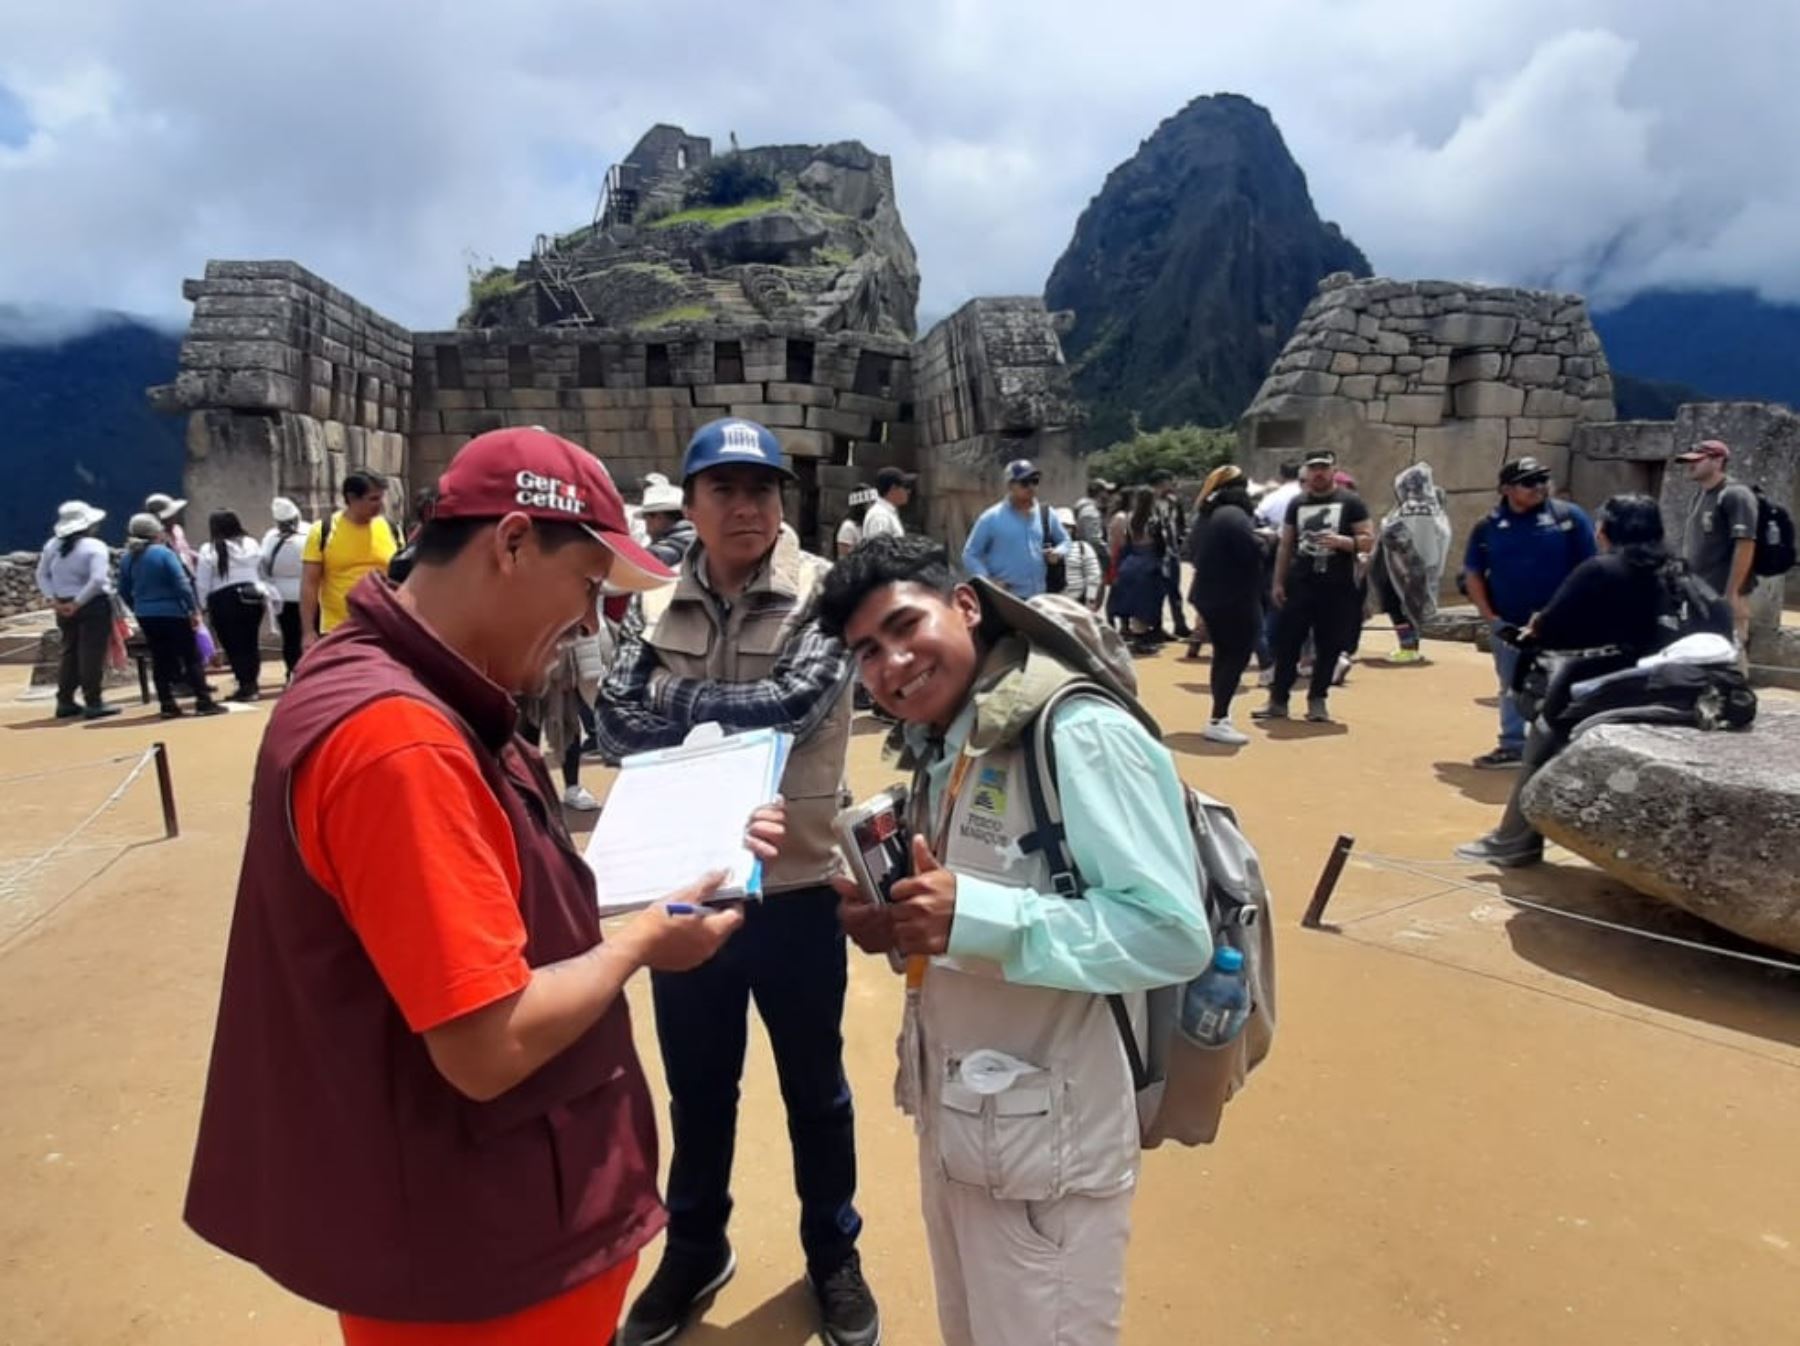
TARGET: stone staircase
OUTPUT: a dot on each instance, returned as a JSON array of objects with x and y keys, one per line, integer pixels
[{"x": 726, "y": 297}]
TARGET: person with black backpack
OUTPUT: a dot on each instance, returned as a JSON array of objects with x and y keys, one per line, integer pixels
[
  {"x": 1720, "y": 540},
  {"x": 1517, "y": 558},
  {"x": 1632, "y": 600},
  {"x": 1020, "y": 943}
]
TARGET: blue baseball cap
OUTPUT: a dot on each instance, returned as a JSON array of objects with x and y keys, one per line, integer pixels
[
  {"x": 1020, "y": 468},
  {"x": 732, "y": 441}
]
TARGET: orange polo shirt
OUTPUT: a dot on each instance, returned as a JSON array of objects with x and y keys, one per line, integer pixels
[{"x": 395, "y": 821}]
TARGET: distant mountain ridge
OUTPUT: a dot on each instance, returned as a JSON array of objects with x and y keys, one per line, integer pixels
[
  {"x": 1189, "y": 269},
  {"x": 1729, "y": 342},
  {"x": 74, "y": 424}
]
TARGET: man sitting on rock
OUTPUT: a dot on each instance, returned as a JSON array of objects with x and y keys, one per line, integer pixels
[{"x": 1616, "y": 607}]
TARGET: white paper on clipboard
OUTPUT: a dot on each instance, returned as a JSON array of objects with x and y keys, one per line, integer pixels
[{"x": 675, "y": 815}]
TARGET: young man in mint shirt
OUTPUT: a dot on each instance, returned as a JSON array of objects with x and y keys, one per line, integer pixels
[
  {"x": 1015, "y": 541},
  {"x": 1011, "y": 1062}
]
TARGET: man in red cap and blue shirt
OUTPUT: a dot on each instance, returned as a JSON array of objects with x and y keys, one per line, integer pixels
[
  {"x": 1720, "y": 539},
  {"x": 424, "y": 1110},
  {"x": 737, "y": 644}
]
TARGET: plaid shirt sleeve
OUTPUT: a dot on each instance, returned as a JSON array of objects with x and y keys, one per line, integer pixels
[
  {"x": 624, "y": 719},
  {"x": 796, "y": 697}
]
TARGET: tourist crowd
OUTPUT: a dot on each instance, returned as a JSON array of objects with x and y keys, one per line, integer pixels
[{"x": 424, "y": 1108}]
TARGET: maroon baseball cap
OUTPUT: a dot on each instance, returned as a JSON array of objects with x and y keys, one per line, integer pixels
[
  {"x": 526, "y": 470},
  {"x": 1706, "y": 448}
]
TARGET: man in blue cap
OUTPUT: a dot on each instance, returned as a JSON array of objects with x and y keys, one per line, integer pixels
[
  {"x": 737, "y": 644},
  {"x": 1017, "y": 542}
]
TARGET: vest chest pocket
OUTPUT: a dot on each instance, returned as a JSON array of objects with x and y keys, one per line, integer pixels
[{"x": 1009, "y": 1144}]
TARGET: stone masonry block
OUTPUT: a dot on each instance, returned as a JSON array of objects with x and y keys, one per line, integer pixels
[
  {"x": 769, "y": 414},
  {"x": 1343, "y": 362},
  {"x": 724, "y": 394},
  {"x": 838, "y": 422},
  {"x": 1474, "y": 366},
  {"x": 1489, "y": 399},
  {"x": 1415, "y": 409},
  {"x": 805, "y": 443},
  {"x": 1358, "y": 386},
  {"x": 1536, "y": 368},
  {"x": 1465, "y": 455},
  {"x": 1474, "y": 329},
  {"x": 802, "y": 394},
  {"x": 1436, "y": 369}
]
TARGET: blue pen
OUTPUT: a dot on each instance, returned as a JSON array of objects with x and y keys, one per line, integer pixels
[{"x": 682, "y": 909}]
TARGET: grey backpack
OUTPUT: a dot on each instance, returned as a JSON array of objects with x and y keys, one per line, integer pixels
[{"x": 1182, "y": 1085}]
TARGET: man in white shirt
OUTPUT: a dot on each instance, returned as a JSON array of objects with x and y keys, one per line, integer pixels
[
  {"x": 893, "y": 489},
  {"x": 1271, "y": 513}
]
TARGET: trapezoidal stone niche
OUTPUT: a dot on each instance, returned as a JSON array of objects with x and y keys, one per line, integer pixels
[{"x": 1463, "y": 377}]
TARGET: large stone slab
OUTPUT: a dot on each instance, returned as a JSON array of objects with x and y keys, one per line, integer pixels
[{"x": 1707, "y": 821}]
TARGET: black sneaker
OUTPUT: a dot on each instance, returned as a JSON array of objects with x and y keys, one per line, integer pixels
[
  {"x": 171, "y": 711},
  {"x": 1274, "y": 710},
  {"x": 208, "y": 708},
  {"x": 66, "y": 710},
  {"x": 681, "y": 1290},
  {"x": 848, "y": 1314},
  {"x": 100, "y": 712},
  {"x": 1500, "y": 759}
]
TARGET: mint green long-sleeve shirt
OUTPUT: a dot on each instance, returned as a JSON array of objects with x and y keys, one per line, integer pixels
[{"x": 1140, "y": 923}]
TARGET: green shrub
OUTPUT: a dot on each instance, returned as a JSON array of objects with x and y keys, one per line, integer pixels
[
  {"x": 1189, "y": 451},
  {"x": 729, "y": 180}
]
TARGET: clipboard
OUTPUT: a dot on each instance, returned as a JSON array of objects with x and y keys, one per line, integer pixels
[{"x": 676, "y": 814}]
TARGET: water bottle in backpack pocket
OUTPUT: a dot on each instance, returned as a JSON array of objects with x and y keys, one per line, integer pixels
[{"x": 1217, "y": 1002}]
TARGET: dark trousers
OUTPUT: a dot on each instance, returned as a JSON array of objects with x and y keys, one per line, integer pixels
[
  {"x": 789, "y": 958},
  {"x": 83, "y": 660},
  {"x": 1235, "y": 631},
  {"x": 174, "y": 658},
  {"x": 1171, "y": 570},
  {"x": 289, "y": 620},
  {"x": 238, "y": 624},
  {"x": 1331, "y": 614}
]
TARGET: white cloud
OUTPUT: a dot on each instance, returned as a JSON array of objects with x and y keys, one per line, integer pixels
[{"x": 1590, "y": 143}]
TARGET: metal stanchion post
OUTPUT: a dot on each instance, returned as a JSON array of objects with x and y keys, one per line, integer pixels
[
  {"x": 1328, "y": 881},
  {"x": 166, "y": 785}
]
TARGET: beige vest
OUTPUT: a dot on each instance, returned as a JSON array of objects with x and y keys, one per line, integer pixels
[
  {"x": 1069, "y": 1124},
  {"x": 693, "y": 639}
]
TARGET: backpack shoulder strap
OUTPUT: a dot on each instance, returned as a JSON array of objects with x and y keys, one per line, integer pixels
[{"x": 1051, "y": 836}]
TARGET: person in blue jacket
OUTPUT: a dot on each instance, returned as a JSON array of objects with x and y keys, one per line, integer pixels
[{"x": 156, "y": 587}]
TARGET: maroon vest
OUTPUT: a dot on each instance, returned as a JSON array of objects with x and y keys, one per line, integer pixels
[{"x": 331, "y": 1151}]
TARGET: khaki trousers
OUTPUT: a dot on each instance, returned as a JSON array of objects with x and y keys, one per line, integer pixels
[{"x": 1023, "y": 1273}]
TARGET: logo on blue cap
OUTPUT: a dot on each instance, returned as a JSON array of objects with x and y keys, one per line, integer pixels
[{"x": 724, "y": 442}]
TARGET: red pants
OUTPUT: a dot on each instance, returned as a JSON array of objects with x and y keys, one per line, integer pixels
[{"x": 588, "y": 1315}]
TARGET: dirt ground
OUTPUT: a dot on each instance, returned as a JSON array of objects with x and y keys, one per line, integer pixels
[{"x": 1480, "y": 1124}]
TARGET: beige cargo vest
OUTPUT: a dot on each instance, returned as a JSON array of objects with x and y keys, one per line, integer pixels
[
  {"x": 1069, "y": 1124},
  {"x": 691, "y": 643}
]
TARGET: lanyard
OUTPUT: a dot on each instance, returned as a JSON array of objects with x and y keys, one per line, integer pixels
[{"x": 959, "y": 773}]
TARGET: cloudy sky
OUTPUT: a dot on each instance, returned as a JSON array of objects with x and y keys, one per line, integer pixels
[{"x": 387, "y": 144}]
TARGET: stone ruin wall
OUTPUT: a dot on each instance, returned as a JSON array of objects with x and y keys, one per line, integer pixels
[
  {"x": 288, "y": 383},
  {"x": 840, "y": 404},
  {"x": 993, "y": 386},
  {"x": 1388, "y": 373}
]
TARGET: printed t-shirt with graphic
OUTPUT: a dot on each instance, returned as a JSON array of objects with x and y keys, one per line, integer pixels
[
  {"x": 353, "y": 550},
  {"x": 1718, "y": 520},
  {"x": 1313, "y": 517}
]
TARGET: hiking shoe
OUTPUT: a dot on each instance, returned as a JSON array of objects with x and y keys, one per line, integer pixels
[
  {"x": 848, "y": 1314},
  {"x": 99, "y": 712},
  {"x": 1500, "y": 759},
  {"x": 1317, "y": 712},
  {"x": 209, "y": 707},
  {"x": 1223, "y": 731},
  {"x": 1274, "y": 710},
  {"x": 681, "y": 1290},
  {"x": 1406, "y": 656},
  {"x": 1341, "y": 674},
  {"x": 577, "y": 797},
  {"x": 1492, "y": 851}
]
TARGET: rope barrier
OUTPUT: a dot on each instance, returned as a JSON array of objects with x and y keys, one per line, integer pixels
[
  {"x": 72, "y": 766},
  {"x": 1410, "y": 867},
  {"x": 9, "y": 886}
]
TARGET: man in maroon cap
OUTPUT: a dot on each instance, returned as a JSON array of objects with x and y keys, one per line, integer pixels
[
  {"x": 424, "y": 1109},
  {"x": 1720, "y": 540}
]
